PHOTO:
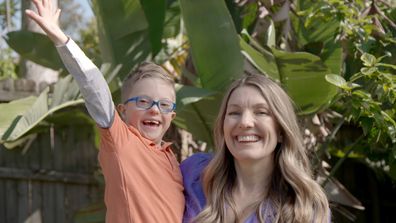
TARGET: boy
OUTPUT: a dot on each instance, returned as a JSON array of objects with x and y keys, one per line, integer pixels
[{"x": 143, "y": 179}]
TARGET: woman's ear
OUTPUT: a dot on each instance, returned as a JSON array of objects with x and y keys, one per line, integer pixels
[{"x": 280, "y": 137}]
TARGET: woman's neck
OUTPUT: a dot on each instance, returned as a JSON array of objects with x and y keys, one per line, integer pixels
[
  {"x": 251, "y": 186},
  {"x": 253, "y": 177}
]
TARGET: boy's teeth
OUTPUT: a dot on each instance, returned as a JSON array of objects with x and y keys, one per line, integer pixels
[
  {"x": 250, "y": 138},
  {"x": 151, "y": 122}
]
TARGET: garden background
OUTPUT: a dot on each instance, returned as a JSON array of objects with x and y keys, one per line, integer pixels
[{"x": 336, "y": 59}]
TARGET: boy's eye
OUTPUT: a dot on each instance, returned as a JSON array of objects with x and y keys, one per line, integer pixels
[
  {"x": 144, "y": 101},
  {"x": 165, "y": 104}
]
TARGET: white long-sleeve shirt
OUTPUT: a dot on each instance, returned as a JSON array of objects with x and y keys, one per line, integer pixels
[{"x": 91, "y": 82}]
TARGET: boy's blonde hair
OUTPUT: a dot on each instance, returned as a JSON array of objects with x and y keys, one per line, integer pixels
[{"x": 144, "y": 70}]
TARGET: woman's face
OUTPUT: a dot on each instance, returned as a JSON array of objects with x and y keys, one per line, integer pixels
[{"x": 250, "y": 131}]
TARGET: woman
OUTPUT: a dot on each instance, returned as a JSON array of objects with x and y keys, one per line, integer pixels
[{"x": 260, "y": 172}]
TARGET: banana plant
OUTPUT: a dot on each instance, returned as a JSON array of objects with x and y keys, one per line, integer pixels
[
  {"x": 301, "y": 74},
  {"x": 131, "y": 31},
  {"x": 29, "y": 112},
  {"x": 123, "y": 31}
]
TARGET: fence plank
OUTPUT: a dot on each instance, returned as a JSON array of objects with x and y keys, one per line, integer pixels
[
  {"x": 2, "y": 200},
  {"x": 23, "y": 201},
  {"x": 48, "y": 193},
  {"x": 2, "y": 187},
  {"x": 53, "y": 180},
  {"x": 11, "y": 189},
  {"x": 46, "y": 176},
  {"x": 59, "y": 188},
  {"x": 11, "y": 201},
  {"x": 35, "y": 187}
]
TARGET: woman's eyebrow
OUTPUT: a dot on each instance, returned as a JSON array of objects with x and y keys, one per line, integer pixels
[
  {"x": 234, "y": 105},
  {"x": 261, "y": 105}
]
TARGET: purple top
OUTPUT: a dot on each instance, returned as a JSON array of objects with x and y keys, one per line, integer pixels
[{"x": 192, "y": 169}]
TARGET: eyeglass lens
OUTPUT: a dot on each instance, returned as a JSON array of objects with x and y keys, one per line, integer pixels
[{"x": 145, "y": 102}]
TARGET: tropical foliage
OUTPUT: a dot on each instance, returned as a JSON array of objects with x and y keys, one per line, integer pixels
[{"x": 335, "y": 59}]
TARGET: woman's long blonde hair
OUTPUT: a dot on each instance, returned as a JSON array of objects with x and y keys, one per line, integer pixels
[{"x": 293, "y": 194}]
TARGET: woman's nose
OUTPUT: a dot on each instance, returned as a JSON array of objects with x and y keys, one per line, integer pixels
[{"x": 247, "y": 120}]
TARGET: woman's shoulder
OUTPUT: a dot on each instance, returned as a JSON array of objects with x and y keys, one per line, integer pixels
[
  {"x": 195, "y": 163},
  {"x": 192, "y": 169}
]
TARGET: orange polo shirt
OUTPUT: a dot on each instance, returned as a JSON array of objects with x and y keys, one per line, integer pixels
[{"x": 142, "y": 183}]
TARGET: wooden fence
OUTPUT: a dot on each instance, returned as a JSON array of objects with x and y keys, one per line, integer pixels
[{"x": 51, "y": 180}]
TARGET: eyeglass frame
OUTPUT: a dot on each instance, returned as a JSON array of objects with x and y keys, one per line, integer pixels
[{"x": 153, "y": 102}]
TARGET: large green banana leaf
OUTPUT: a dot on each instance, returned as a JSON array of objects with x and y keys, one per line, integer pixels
[
  {"x": 217, "y": 59},
  {"x": 123, "y": 30},
  {"x": 319, "y": 37},
  {"x": 10, "y": 111},
  {"x": 17, "y": 124},
  {"x": 155, "y": 15},
  {"x": 302, "y": 74},
  {"x": 196, "y": 111},
  {"x": 35, "y": 47},
  {"x": 198, "y": 118},
  {"x": 214, "y": 42},
  {"x": 123, "y": 36},
  {"x": 263, "y": 59},
  {"x": 172, "y": 23}
]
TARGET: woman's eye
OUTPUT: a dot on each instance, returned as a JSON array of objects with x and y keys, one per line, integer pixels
[
  {"x": 234, "y": 113},
  {"x": 262, "y": 112}
]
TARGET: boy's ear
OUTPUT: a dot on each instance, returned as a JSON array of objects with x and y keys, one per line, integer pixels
[{"x": 121, "y": 110}]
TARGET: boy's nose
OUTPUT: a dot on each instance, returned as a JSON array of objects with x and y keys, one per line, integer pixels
[{"x": 154, "y": 109}]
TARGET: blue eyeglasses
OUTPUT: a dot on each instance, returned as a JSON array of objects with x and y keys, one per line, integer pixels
[{"x": 145, "y": 102}]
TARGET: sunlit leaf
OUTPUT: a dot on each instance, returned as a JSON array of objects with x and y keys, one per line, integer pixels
[
  {"x": 154, "y": 11},
  {"x": 35, "y": 47},
  {"x": 123, "y": 34},
  {"x": 214, "y": 42},
  {"x": 198, "y": 117},
  {"x": 12, "y": 110},
  {"x": 271, "y": 35},
  {"x": 65, "y": 95},
  {"x": 368, "y": 60},
  {"x": 303, "y": 76},
  {"x": 263, "y": 60},
  {"x": 337, "y": 80}
]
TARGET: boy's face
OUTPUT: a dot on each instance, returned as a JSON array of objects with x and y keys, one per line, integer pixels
[{"x": 151, "y": 123}]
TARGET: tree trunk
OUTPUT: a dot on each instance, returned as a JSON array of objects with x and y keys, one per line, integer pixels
[{"x": 42, "y": 76}]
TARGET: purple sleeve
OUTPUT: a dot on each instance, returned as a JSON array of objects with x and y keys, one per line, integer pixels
[{"x": 192, "y": 169}]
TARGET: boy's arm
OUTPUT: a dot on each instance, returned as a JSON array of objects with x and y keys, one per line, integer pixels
[{"x": 90, "y": 80}]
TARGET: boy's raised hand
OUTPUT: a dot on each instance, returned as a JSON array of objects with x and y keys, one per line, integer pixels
[{"x": 47, "y": 18}]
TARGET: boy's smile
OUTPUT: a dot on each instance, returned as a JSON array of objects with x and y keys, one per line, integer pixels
[{"x": 151, "y": 123}]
